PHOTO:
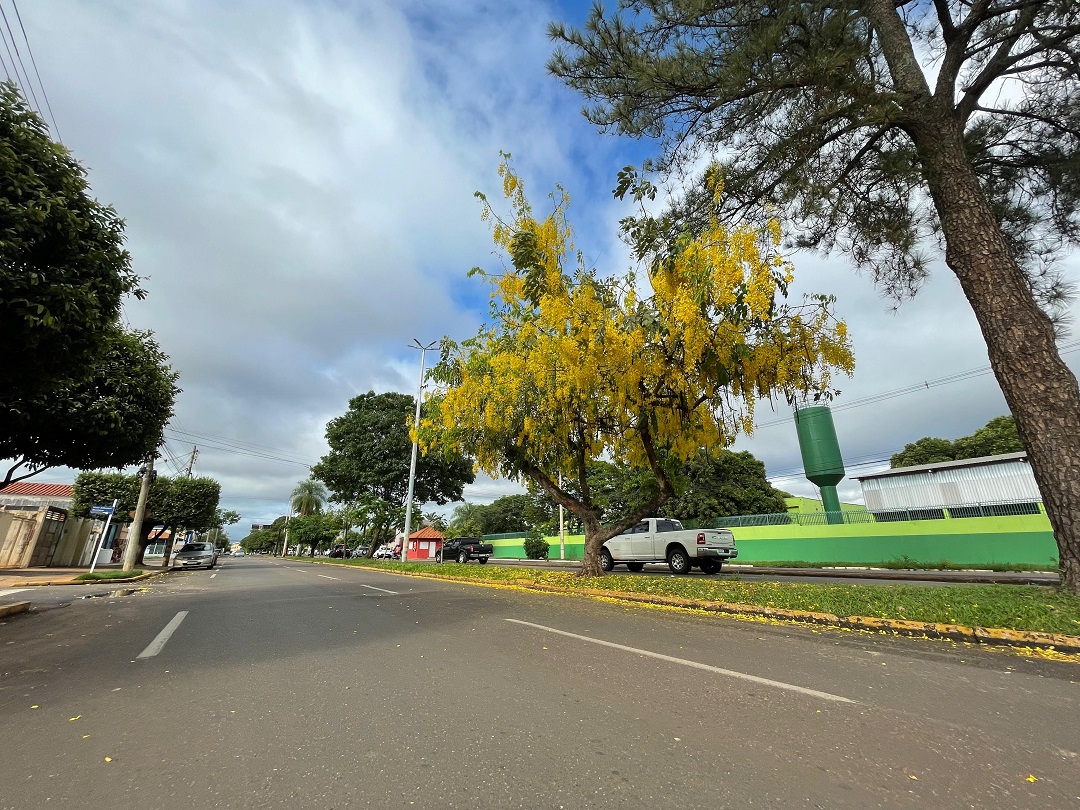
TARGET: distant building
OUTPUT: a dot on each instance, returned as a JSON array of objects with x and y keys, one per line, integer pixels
[{"x": 1006, "y": 481}]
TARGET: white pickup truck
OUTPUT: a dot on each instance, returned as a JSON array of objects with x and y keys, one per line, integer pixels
[{"x": 665, "y": 540}]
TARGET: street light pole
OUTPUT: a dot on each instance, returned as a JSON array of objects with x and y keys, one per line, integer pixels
[{"x": 416, "y": 344}]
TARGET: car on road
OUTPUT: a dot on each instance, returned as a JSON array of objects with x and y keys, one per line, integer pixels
[
  {"x": 195, "y": 555},
  {"x": 665, "y": 540},
  {"x": 238, "y": 553},
  {"x": 463, "y": 549}
]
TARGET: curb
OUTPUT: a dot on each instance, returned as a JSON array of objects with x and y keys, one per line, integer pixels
[
  {"x": 1057, "y": 642},
  {"x": 12, "y": 609},
  {"x": 144, "y": 575},
  {"x": 976, "y": 635}
]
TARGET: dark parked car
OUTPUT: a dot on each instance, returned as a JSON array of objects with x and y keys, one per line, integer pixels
[
  {"x": 463, "y": 549},
  {"x": 340, "y": 552}
]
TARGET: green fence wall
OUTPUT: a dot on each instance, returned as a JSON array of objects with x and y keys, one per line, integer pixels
[{"x": 1018, "y": 539}]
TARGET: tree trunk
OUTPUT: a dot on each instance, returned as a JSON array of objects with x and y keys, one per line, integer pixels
[
  {"x": 1039, "y": 388},
  {"x": 594, "y": 541}
]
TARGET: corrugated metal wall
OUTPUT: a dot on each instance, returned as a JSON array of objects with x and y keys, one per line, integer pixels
[{"x": 953, "y": 486}]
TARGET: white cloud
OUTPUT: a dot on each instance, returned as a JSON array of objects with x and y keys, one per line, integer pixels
[{"x": 298, "y": 177}]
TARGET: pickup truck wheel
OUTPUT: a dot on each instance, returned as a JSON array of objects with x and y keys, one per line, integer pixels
[
  {"x": 463, "y": 557},
  {"x": 483, "y": 560},
  {"x": 605, "y": 560},
  {"x": 635, "y": 567},
  {"x": 438, "y": 556},
  {"x": 679, "y": 561},
  {"x": 709, "y": 566}
]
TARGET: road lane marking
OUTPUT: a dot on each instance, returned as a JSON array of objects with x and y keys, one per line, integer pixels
[
  {"x": 212, "y": 576},
  {"x": 324, "y": 576},
  {"x": 10, "y": 591},
  {"x": 695, "y": 664},
  {"x": 395, "y": 593},
  {"x": 158, "y": 644}
]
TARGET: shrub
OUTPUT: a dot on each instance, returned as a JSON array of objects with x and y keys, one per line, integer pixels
[{"x": 536, "y": 548}]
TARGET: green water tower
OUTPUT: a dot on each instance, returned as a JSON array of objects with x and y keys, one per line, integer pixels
[{"x": 821, "y": 455}]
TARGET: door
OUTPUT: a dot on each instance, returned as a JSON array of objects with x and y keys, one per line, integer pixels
[{"x": 641, "y": 542}]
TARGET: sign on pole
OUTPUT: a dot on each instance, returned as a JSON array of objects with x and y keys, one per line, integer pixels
[{"x": 102, "y": 510}]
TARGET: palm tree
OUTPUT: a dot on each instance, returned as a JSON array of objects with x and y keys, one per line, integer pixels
[{"x": 308, "y": 497}]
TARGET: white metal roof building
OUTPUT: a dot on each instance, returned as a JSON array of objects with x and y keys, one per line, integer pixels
[{"x": 988, "y": 480}]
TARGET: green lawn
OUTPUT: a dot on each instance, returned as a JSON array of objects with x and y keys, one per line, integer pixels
[{"x": 1016, "y": 607}]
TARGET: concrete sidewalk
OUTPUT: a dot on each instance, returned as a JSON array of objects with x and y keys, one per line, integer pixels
[{"x": 23, "y": 577}]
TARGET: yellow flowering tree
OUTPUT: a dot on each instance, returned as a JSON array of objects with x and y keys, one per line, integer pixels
[{"x": 573, "y": 366}]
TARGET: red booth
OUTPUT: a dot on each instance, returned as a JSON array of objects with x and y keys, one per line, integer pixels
[{"x": 424, "y": 544}]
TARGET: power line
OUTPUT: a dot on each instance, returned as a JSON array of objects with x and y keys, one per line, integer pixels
[
  {"x": 254, "y": 446},
  {"x": 926, "y": 385},
  {"x": 27, "y": 85},
  {"x": 33, "y": 61},
  {"x": 206, "y": 442}
]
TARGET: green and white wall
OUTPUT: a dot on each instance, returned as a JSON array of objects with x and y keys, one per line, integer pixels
[{"x": 974, "y": 542}]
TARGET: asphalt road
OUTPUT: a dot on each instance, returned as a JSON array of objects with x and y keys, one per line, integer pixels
[{"x": 270, "y": 684}]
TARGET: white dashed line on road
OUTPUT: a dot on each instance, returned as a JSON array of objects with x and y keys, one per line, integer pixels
[
  {"x": 324, "y": 576},
  {"x": 383, "y": 590},
  {"x": 696, "y": 665},
  {"x": 10, "y": 591},
  {"x": 158, "y": 644}
]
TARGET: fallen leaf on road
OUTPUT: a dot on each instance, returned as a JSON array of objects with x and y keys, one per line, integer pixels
[
  {"x": 1032, "y": 778},
  {"x": 76, "y": 717},
  {"x": 108, "y": 759},
  {"x": 35, "y": 706}
]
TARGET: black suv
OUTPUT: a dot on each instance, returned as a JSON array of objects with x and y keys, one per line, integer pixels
[{"x": 340, "y": 551}]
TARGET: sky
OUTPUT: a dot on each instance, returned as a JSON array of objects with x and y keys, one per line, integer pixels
[{"x": 297, "y": 181}]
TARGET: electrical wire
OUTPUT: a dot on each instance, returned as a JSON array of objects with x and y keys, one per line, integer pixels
[
  {"x": 27, "y": 84},
  {"x": 37, "y": 73}
]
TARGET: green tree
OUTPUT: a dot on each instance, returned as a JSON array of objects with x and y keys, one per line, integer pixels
[
  {"x": 308, "y": 497},
  {"x": 997, "y": 436},
  {"x": 173, "y": 503},
  {"x": 63, "y": 267},
  {"x": 112, "y": 418},
  {"x": 926, "y": 450},
  {"x": 370, "y": 450},
  {"x": 265, "y": 539},
  {"x": 315, "y": 531},
  {"x": 467, "y": 520},
  {"x": 574, "y": 366},
  {"x": 217, "y": 534},
  {"x": 882, "y": 129},
  {"x": 436, "y": 521},
  {"x": 724, "y": 484}
]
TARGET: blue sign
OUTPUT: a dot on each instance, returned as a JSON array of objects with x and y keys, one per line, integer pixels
[{"x": 101, "y": 510}]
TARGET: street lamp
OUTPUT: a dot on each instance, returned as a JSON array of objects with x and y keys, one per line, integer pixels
[{"x": 416, "y": 344}]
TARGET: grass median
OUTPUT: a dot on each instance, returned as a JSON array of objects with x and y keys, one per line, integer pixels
[
  {"x": 1013, "y": 607},
  {"x": 99, "y": 575}
]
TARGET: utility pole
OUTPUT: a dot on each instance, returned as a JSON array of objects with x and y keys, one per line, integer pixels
[
  {"x": 416, "y": 344},
  {"x": 131, "y": 551},
  {"x": 191, "y": 462}
]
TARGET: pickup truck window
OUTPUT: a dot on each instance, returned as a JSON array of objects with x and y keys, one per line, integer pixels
[{"x": 668, "y": 526}]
